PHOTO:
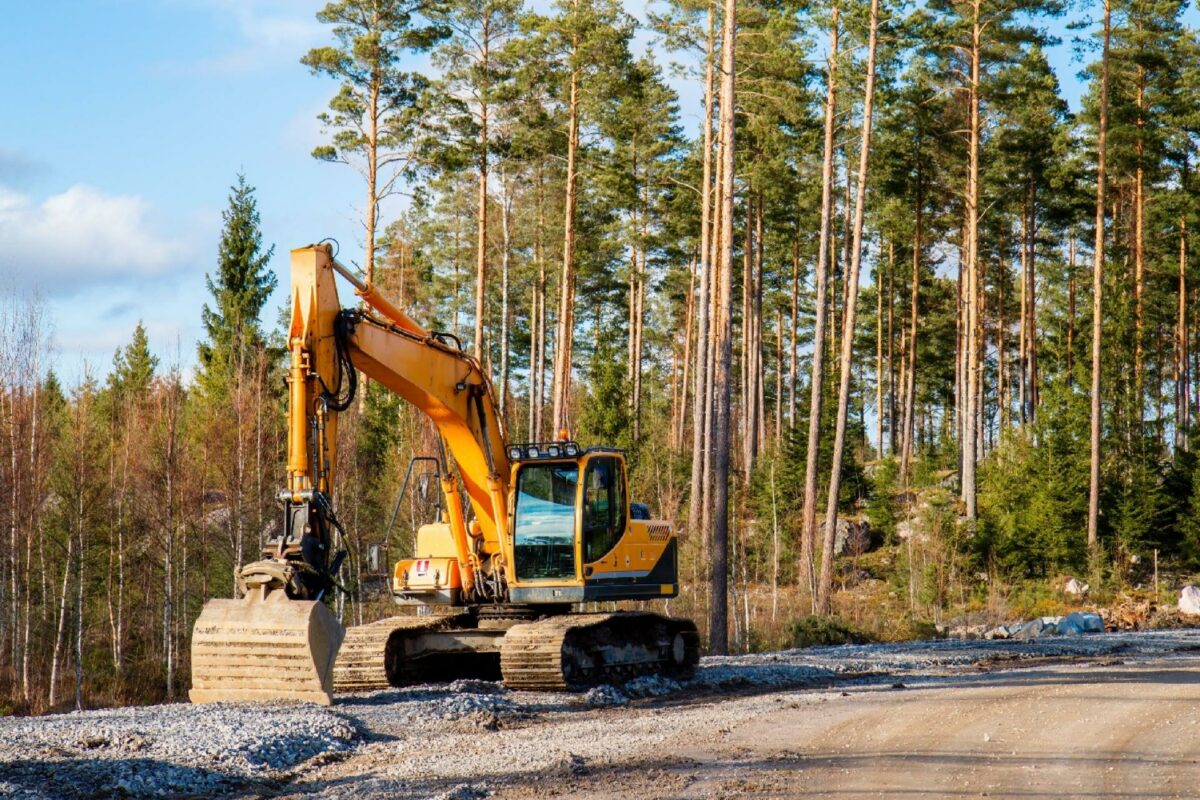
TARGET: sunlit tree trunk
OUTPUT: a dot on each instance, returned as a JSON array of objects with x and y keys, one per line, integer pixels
[
  {"x": 1097, "y": 291},
  {"x": 1071, "y": 310},
  {"x": 1182, "y": 421},
  {"x": 481, "y": 208},
  {"x": 808, "y": 528},
  {"x": 505, "y": 261},
  {"x": 970, "y": 442},
  {"x": 566, "y": 306},
  {"x": 718, "y": 610},
  {"x": 906, "y": 424},
  {"x": 700, "y": 398},
  {"x": 849, "y": 318}
]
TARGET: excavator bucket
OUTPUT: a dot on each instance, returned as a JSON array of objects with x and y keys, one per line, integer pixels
[{"x": 264, "y": 648}]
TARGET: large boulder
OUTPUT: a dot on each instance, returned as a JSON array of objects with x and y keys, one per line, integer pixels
[
  {"x": 1035, "y": 628},
  {"x": 1189, "y": 601},
  {"x": 852, "y": 537},
  {"x": 1080, "y": 622}
]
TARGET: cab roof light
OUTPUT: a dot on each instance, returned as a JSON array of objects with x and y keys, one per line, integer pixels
[{"x": 539, "y": 450}]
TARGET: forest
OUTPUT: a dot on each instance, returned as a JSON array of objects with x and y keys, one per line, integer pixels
[{"x": 889, "y": 332}]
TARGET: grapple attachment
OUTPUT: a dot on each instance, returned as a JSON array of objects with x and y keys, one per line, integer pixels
[{"x": 264, "y": 646}]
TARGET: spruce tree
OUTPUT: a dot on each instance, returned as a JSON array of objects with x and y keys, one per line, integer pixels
[
  {"x": 240, "y": 288},
  {"x": 133, "y": 367}
]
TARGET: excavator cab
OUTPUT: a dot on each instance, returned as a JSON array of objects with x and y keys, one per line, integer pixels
[
  {"x": 557, "y": 498},
  {"x": 574, "y": 536},
  {"x": 544, "y": 521}
]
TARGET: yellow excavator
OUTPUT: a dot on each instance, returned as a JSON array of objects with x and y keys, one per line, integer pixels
[{"x": 497, "y": 580}]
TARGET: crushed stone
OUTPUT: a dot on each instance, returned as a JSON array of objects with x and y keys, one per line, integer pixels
[
  {"x": 175, "y": 750},
  {"x": 651, "y": 686},
  {"x": 466, "y": 738},
  {"x": 605, "y": 696}
]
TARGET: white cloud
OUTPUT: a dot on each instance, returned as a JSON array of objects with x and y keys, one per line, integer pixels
[
  {"x": 270, "y": 32},
  {"x": 80, "y": 237}
]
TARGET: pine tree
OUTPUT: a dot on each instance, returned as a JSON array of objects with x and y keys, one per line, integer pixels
[
  {"x": 475, "y": 75},
  {"x": 375, "y": 118}
]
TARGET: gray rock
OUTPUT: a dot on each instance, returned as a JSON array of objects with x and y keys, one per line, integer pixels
[
  {"x": 1080, "y": 622},
  {"x": 605, "y": 697},
  {"x": 852, "y": 537}
]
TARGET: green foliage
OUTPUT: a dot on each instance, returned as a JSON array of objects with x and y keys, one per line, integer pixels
[
  {"x": 855, "y": 485},
  {"x": 604, "y": 417},
  {"x": 1189, "y": 520},
  {"x": 821, "y": 631},
  {"x": 881, "y": 505},
  {"x": 1033, "y": 491},
  {"x": 133, "y": 367},
  {"x": 378, "y": 104},
  {"x": 240, "y": 289}
]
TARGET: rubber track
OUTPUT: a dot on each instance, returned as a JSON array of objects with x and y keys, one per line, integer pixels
[
  {"x": 360, "y": 663},
  {"x": 532, "y": 655}
]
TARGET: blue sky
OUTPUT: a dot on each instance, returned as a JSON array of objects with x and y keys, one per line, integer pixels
[{"x": 125, "y": 122}]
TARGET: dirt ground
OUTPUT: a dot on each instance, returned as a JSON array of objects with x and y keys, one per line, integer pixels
[
  {"x": 1111, "y": 730},
  {"x": 1118, "y": 727},
  {"x": 1105, "y": 715}
]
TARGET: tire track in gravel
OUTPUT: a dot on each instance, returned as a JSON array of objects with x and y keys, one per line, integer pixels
[{"x": 1121, "y": 731}]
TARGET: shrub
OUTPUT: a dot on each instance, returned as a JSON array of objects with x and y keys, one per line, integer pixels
[{"x": 815, "y": 631}]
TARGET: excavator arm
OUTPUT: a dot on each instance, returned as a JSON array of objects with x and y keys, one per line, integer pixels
[{"x": 426, "y": 369}]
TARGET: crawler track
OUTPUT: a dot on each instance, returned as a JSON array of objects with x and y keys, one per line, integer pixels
[
  {"x": 361, "y": 663},
  {"x": 576, "y": 651}
]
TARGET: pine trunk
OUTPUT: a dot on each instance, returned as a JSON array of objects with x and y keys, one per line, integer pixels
[
  {"x": 700, "y": 396},
  {"x": 718, "y": 611},
  {"x": 564, "y": 340},
  {"x": 1097, "y": 291},
  {"x": 825, "y": 586},
  {"x": 808, "y": 529},
  {"x": 971, "y": 319}
]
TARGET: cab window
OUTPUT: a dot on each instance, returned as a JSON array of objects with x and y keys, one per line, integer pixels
[
  {"x": 544, "y": 521},
  {"x": 603, "y": 507}
]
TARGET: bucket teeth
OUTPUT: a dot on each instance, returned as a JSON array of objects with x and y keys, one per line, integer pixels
[{"x": 264, "y": 649}]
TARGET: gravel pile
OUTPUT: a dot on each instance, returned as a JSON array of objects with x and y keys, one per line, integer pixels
[
  {"x": 651, "y": 686},
  {"x": 166, "y": 751},
  {"x": 605, "y": 696},
  {"x": 470, "y": 703},
  {"x": 727, "y": 673}
]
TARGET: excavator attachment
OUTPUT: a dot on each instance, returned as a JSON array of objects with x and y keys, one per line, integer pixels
[{"x": 264, "y": 646}]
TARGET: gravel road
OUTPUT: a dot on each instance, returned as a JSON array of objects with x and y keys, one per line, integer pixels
[{"x": 1112, "y": 714}]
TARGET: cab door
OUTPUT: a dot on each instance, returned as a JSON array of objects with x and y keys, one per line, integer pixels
[{"x": 604, "y": 510}]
